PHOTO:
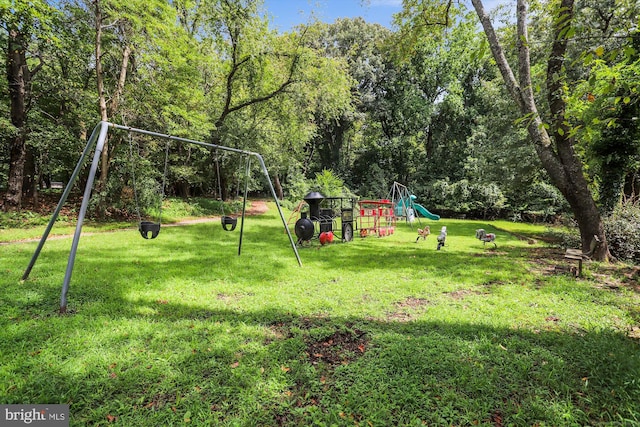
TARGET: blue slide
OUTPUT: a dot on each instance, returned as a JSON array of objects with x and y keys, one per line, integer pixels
[{"x": 425, "y": 213}]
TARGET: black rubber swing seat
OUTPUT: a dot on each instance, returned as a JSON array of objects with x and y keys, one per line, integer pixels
[
  {"x": 229, "y": 223},
  {"x": 149, "y": 230}
]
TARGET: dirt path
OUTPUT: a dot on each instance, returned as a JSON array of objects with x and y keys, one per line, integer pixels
[{"x": 257, "y": 207}]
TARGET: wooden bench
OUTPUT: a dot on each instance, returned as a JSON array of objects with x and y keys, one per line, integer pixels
[{"x": 578, "y": 255}]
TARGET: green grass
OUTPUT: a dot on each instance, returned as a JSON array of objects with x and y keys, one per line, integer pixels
[
  {"x": 27, "y": 225},
  {"x": 379, "y": 331}
]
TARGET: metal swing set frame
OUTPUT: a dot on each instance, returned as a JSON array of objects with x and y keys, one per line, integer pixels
[{"x": 97, "y": 140}]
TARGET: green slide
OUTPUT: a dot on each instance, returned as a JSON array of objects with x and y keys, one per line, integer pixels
[{"x": 425, "y": 213}]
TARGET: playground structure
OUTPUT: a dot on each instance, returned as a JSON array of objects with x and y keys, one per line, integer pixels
[
  {"x": 377, "y": 217},
  {"x": 97, "y": 140},
  {"x": 319, "y": 214},
  {"x": 322, "y": 215},
  {"x": 405, "y": 205}
]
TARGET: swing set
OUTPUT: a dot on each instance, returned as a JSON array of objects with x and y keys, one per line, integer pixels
[
  {"x": 148, "y": 229},
  {"x": 151, "y": 229}
]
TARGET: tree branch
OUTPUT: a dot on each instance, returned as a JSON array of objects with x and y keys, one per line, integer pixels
[
  {"x": 524, "y": 59},
  {"x": 522, "y": 92},
  {"x": 37, "y": 67},
  {"x": 290, "y": 80},
  {"x": 236, "y": 64},
  {"x": 498, "y": 54},
  {"x": 444, "y": 23}
]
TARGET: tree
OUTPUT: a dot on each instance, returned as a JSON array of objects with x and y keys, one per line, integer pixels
[
  {"x": 552, "y": 138},
  {"x": 264, "y": 82},
  {"x": 615, "y": 110},
  {"x": 361, "y": 46},
  {"x": 556, "y": 150},
  {"x": 131, "y": 25},
  {"x": 23, "y": 22},
  {"x": 250, "y": 71},
  {"x": 606, "y": 101}
]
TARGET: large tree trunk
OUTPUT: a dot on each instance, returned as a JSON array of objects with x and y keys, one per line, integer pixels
[
  {"x": 13, "y": 196},
  {"x": 576, "y": 190},
  {"x": 19, "y": 78},
  {"x": 559, "y": 159}
]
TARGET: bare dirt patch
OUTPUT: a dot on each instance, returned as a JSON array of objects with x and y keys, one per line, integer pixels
[
  {"x": 408, "y": 309},
  {"x": 462, "y": 293},
  {"x": 338, "y": 348},
  {"x": 412, "y": 302},
  {"x": 257, "y": 207},
  {"x": 231, "y": 297},
  {"x": 332, "y": 348}
]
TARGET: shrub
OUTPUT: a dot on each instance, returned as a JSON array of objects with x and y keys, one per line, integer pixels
[
  {"x": 623, "y": 232},
  {"x": 326, "y": 182},
  {"x": 539, "y": 201},
  {"x": 374, "y": 184},
  {"x": 22, "y": 219},
  {"x": 564, "y": 237},
  {"x": 296, "y": 187},
  {"x": 622, "y": 228},
  {"x": 464, "y": 197}
]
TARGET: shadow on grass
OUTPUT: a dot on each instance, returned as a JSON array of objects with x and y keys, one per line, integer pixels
[
  {"x": 131, "y": 353},
  {"x": 272, "y": 367}
]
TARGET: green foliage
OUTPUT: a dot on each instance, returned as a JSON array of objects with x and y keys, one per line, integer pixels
[
  {"x": 605, "y": 102},
  {"x": 622, "y": 229},
  {"x": 354, "y": 47},
  {"x": 23, "y": 219},
  {"x": 297, "y": 187},
  {"x": 564, "y": 237},
  {"x": 540, "y": 201},
  {"x": 422, "y": 104},
  {"x": 375, "y": 181},
  {"x": 328, "y": 184},
  {"x": 609, "y": 104},
  {"x": 31, "y": 18},
  {"x": 474, "y": 199}
]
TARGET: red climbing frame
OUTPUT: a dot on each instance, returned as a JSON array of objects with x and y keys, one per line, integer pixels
[{"x": 377, "y": 217}]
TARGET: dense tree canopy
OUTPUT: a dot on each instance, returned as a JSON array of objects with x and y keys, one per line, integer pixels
[{"x": 424, "y": 103}]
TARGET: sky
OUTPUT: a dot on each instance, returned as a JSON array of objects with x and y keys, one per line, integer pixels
[{"x": 286, "y": 14}]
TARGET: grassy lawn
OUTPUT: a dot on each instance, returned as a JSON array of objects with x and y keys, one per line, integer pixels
[{"x": 379, "y": 331}]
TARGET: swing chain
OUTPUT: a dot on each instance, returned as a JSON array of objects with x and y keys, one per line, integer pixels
[
  {"x": 148, "y": 229},
  {"x": 164, "y": 178},
  {"x": 133, "y": 178},
  {"x": 229, "y": 222}
]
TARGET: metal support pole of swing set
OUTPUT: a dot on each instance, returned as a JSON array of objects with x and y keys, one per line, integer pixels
[{"x": 98, "y": 138}]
